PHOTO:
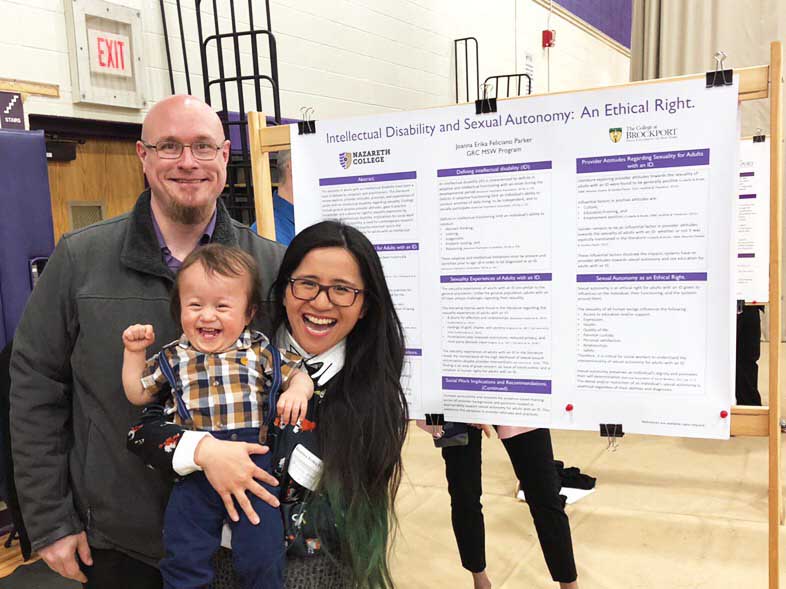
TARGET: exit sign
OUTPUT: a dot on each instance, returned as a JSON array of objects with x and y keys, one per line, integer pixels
[
  {"x": 106, "y": 52},
  {"x": 110, "y": 54}
]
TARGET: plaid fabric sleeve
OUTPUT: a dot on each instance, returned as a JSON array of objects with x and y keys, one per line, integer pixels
[
  {"x": 153, "y": 379},
  {"x": 289, "y": 363}
]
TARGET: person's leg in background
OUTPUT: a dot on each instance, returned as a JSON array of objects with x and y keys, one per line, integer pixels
[
  {"x": 115, "y": 570},
  {"x": 748, "y": 351},
  {"x": 463, "y": 472},
  {"x": 532, "y": 458}
]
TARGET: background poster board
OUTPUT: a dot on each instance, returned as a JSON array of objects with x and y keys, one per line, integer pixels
[
  {"x": 753, "y": 222},
  {"x": 563, "y": 262}
]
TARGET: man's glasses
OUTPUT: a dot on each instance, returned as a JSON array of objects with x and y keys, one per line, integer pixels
[
  {"x": 172, "y": 150},
  {"x": 339, "y": 295}
]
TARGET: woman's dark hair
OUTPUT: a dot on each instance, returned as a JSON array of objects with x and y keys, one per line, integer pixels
[
  {"x": 363, "y": 416},
  {"x": 224, "y": 261}
]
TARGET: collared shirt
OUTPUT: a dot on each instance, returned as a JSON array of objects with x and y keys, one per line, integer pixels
[
  {"x": 222, "y": 391},
  {"x": 284, "y": 218},
  {"x": 171, "y": 261}
]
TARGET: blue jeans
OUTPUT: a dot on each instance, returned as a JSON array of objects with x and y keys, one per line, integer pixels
[{"x": 192, "y": 532}]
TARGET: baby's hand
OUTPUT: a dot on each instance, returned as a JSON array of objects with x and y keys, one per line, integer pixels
[
  {"x": 292, "y": 406},
  {"x": 138, "y": 337}
]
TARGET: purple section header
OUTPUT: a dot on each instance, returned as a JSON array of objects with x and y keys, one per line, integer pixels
[
  {"x": 746, "y": 255},
  {"x": 471, "y": 171},
  {"x": 643, "y": 161},
  {"x": 501, "y": 385},
  {"x": 648, "y": 277},
  {"x": 743, "y": 174},
  {"x": 413, "y": 352},
  {"x": 396, "y": 247},
  {"x": 370, "y": 178},
  {"x": 545, "y": 277},
  {"x": 747, "y": 196}
]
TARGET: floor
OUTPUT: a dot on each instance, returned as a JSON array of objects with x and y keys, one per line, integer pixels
[{"x": 667, "y": 513}]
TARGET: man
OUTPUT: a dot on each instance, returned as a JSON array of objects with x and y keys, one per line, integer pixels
[
  {"x": 84, "y": 498},
  {"x": 283, "y": 201}
]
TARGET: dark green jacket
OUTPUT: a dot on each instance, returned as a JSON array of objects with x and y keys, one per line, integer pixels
[{"x": 69, "y": 415}]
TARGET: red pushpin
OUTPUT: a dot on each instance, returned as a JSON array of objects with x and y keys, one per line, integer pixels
[
  {"x": 569, "y": 407},
  {"x": 724, "y": 414}
]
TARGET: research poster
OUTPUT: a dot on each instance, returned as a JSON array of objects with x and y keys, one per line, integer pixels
[
  {"x": 753, "y": 222},
  {"x": 565, "y": 261}
]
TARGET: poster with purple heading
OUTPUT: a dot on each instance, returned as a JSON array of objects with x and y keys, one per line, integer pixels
[
  {"x": 384, "y": 206},
  {"x": 563, "y": 262},
  {"x": 753, "y": 222}
]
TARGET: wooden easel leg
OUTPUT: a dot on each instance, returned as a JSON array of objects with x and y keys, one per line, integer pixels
[{"x": 775, "y": 511}]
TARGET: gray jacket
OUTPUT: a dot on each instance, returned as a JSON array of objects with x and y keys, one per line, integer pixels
[{"x": 69, "y": 415}]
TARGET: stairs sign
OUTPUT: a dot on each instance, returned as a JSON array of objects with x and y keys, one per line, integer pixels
[{"x": 12, "y": 115}]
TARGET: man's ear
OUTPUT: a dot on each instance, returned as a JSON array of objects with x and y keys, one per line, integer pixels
[
  {"x": 141, "y": 152},
  {"x": 225, "y": 151}
]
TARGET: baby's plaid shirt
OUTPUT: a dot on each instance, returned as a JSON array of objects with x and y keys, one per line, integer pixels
[{"x": 222, "y": 391}]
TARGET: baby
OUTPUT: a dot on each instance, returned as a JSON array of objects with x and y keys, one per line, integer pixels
[{"x": 223, "y": 373}]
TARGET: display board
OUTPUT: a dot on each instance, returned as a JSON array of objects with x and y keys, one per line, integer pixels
[
  {"x": 753, "y": 221},
  {"x": 565, "y": 261}
]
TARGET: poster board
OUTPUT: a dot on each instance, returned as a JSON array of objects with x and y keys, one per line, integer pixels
[
  {"x": 753, "y": 221},
  {"x": 565, "y": 261}
]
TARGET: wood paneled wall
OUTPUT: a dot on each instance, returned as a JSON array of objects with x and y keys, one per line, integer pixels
[{"x": 105, "y": 170}]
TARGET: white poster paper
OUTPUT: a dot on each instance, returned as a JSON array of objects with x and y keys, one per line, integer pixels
[
  {"x": 753, "y": 222},
  {"x": 565, "y": 261}
]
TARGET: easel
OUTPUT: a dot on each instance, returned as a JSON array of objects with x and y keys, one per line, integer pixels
[{"x": 755, "y": 83}]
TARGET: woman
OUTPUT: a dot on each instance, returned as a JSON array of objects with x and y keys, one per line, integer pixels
[
  {"x": 532, "y": 458},
  {"x": 331, "y": 304}
]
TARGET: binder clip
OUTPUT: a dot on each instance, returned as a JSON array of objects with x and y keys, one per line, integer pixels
[
  {"x": 436, "y": 425},
  {"x": 740, "y": 306},
  {"x": 308, "y": 125},
  {"x": 720, "y": 77},
  {"x": 611, "y": 431},
  {"x": 759, "y": 137},
  {"x": 485, "y": 105}
]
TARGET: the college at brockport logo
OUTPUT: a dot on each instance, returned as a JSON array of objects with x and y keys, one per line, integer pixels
[
  {"x": 615, "y": 134},
  {"x": 345, "y": 159}
]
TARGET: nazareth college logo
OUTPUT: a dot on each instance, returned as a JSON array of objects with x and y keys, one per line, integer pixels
[
  {"x": 615, "y": 134},
  {"x": 345, "y": 159},
  {"x": 362, "y": 158}
]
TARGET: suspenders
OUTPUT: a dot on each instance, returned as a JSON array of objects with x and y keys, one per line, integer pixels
[
  {"x": 177, "y": 390},
  {"x": 272, "y": 399}
]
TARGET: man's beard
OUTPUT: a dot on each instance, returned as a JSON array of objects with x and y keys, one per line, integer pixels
[{"x": 186, "y": 215}]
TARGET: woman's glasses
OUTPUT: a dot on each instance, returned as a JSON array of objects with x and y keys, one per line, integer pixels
[{"x": 338, "y": 294}]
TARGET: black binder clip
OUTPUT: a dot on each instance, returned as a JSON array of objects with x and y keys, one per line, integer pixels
[
  {"x": 611, "y": 431},
  {"x": 759, "y": 137},
  {"x": 308, "y": 125},
  {"x": 485, "y": 105},
  {"x": 740, "y": 306},
  {"x": 720, "y": 77},
  {"x": 435, "y": 419}
]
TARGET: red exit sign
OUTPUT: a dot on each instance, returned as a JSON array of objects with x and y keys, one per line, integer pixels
[{"x": 110, "y": 54}]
